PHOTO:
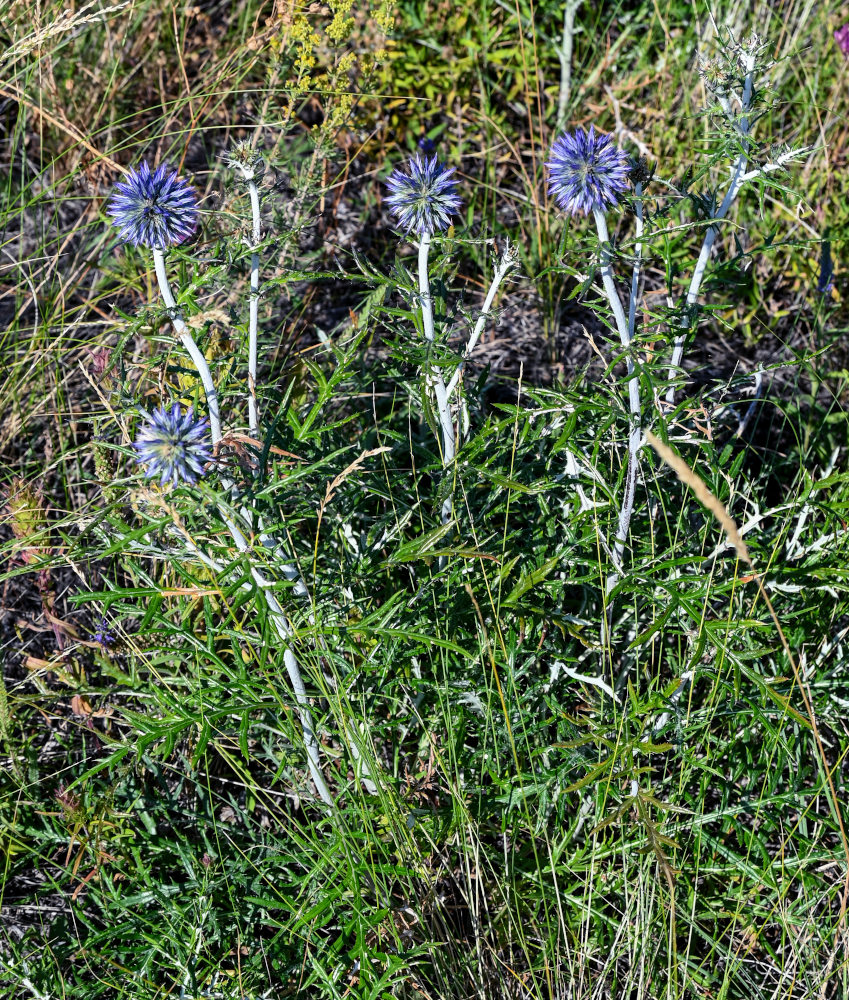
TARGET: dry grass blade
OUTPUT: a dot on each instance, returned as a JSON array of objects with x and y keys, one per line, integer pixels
[
  {"x": 704, "y": 496},
  {"x": 337, "y": 481},
  {"x": 334, "y": 485}
]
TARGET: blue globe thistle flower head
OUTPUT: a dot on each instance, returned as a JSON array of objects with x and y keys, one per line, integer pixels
[
  {"x": 423, "y": 200},
  {"x": 174, "y": 445},
  {"x": 154, "y": 208},
  {"x": 586, "y": 172}
]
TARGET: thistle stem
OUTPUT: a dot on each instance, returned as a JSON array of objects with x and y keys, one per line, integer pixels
[
  {"x": 188, "y": 341},
  {"x": 424, "y": 288},
  {"x": 565, "y": 55},
  {"x": 281, "y": 624},
  {"x": 626, "y": 327},
  {"x": 253, "y": 320},
  {"x": 284, "y": 631},
  {"x": 635, "y": 437},
  {"x": 508, "y": 261},
  {"x": 433, "y": 377},
  {"x": 738, "y": 178}
]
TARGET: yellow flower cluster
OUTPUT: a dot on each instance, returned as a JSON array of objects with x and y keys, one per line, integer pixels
[
  {"x": 342, "y": 24},
  {"x": 320, "y": 48}
]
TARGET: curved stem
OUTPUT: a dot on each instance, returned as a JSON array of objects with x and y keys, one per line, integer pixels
[
  {"x": 278, "y": 617},
  {"x": 188, "y": 341}
]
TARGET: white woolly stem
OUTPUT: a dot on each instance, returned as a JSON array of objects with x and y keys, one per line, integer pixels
[
  {"x": 564, "y": 53},
  {"x": 777, "y": 164},
  {"x": 738, "y": 178},
  {"x": 433, "y": 377},
  {"x": 281, "y": 624},
  {"x": 424, "y": 288},
  {"x": 607, "y": 280},
  {"x": 253, "y": 320},
  {"x": 188, "y": 341},
  {"x": 284, "y": 631},
  {"x": 509, "y": 260},
  {"x": 636, "y": 437},
  {"x": 638, "y": 253},
  {"x": 626, "y": 328}
]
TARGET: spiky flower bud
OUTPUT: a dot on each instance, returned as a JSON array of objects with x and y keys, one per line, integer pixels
[
  {"x": 424, "y": 200},
  {"x": 752, "y": 43},
  {"x": 586, "y": 172},
  {"x": 243, "y": 156},
  {"x": 173, "y": 445},
  {"x": 154, "y": 208},
  {"x": 640, "y": 172},
  {"x": 715, "y": 75}
]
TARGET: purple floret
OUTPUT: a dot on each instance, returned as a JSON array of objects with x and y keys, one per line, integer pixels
[
  {"x": 586, "y": 172},
  {"x": 102, "y": 635},
  {"x": 155, "y": 209}
]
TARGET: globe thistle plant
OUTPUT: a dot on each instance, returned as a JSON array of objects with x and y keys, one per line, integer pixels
[
  {"x": 174, "y": 445},
  {"x": 155, "y": 209},
  {"x": 586, "y": 172},
  {"x": 158, "y": 209},
  {"x": 423, "y": 200}
]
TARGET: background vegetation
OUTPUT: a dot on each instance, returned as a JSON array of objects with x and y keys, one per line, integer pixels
[{"x": 528, "y": 835}]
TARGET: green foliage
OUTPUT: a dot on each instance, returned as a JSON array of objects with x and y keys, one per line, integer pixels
[{"x": 527, "y": 805}]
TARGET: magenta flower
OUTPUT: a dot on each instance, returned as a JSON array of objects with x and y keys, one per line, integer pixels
[{"x": 841, "y": 36}]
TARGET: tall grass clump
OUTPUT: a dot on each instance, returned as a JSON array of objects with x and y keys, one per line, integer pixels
[{"x": 423, "y": 503}]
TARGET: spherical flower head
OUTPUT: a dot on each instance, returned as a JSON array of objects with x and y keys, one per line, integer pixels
[
  {"x": 841, "y": 36},
  {"x": 154, "y": 209},
  {"x": 174, "y": 445},
  {"x": 424, "y": 200},
  {"x": 586, "y": 172}
]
